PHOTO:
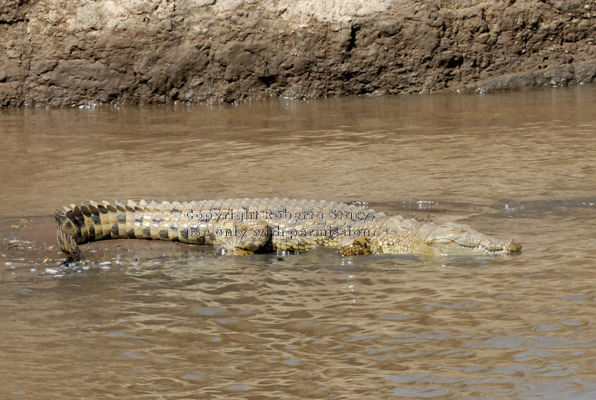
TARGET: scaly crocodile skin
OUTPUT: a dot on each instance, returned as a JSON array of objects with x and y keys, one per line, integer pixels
[{"x": 241, "y": 226}]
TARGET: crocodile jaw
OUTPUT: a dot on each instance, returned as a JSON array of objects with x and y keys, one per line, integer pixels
[{"x": 453, "y": 239}]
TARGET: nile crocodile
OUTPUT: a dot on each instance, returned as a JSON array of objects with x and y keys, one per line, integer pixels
[{"x": 241, "y": 226}]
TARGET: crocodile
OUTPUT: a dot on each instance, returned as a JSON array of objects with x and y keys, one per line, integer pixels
[{"x": 245, "y": 226}]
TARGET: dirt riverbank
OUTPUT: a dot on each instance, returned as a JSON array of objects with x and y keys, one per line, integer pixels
[{"x": 63, "y": 52}]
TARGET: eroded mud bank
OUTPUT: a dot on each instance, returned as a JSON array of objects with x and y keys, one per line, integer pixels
[{"x": 63, "y": 52}]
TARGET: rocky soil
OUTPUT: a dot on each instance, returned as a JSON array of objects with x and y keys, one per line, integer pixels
[{"x": 68, "y": 52}]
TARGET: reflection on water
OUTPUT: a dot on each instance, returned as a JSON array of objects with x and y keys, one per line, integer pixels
[
  {"x": 190, "y": 324},
  {"x": 525, "y": 146}
]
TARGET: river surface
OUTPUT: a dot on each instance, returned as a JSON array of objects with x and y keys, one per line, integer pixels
[{"x": 143, "y": 322}]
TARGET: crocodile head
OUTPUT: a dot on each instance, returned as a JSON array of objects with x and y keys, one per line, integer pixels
[{"x": 453, "y": 239}]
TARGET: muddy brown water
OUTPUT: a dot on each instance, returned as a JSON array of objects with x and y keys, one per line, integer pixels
[{"x": 147, "y": 320}]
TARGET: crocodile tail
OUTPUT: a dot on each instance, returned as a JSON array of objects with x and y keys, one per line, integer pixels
[{"x": 68, "y": 231}]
